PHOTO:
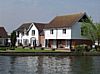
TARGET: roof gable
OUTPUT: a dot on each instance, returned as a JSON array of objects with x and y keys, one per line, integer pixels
[
  {"x": 40, "y": 27},
  {"x": 3, "y": 33},
  {"x": 65, "y": 21},
  {"x": 23, "y": 27},
  {"x": 28, "y": 26}
]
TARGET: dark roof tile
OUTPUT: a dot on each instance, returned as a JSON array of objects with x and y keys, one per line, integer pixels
[
  {"x": 64, "y": 21},
  {"x": 3, "y": 33},
  {"x": 23, "y": 27}
]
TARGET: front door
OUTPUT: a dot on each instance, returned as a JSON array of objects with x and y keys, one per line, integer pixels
[{"x": 33, "y": 41}]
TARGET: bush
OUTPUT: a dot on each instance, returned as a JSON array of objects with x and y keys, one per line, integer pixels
[
  {"x": 80, "y": 48},
  {"x": 93, "y": 50},
  {"x": 12, "y": 48},
  {"x": 2, "y": 48},
  {"x": 42, "y": 48},
  {"x": 53, "y": 49}
]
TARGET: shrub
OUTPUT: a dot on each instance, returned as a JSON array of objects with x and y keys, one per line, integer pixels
[
  {"x": 93, "y": 50},
  {"x": 80, "y": 48},
  {"x": 42, "y": 48},
  {"x": 30, "y": 47},
  {"x": 53, "y": 49},
  {"x": 2, "y": 48}
]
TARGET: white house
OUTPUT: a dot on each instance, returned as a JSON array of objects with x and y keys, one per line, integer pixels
[
  {"x": 30, "y": 34},
  {"x": 3, "y": 37},
  {"x": 65, "y": 31}
]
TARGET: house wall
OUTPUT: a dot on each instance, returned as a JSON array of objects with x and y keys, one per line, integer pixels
[
  {"x": 3, "y": 41},
  {"x": 36, "y": 36},
  {"x": 42, "y": 40},
  {"x": 19, "y": 39},
  {"x": 76, "y": 31},
  {"x": 29, "y": 36},
  {"x": 58, "y": 34}
]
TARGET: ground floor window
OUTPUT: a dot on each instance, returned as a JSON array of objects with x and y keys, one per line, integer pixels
[
  {"x": 0, "y": 41},
  {"x": 25, "y": 42}
]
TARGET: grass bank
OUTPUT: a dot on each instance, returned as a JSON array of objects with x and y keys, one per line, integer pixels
[{"x": 30, "y": 50}]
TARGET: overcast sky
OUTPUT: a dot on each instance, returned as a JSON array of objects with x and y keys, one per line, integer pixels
[{"x": 14, "y": 13}]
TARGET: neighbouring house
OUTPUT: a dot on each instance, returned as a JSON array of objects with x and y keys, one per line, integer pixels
[
  {"x": 65, "y": 31},
  {"x": 30, "y": 34},
  {"x": 3, "y": 37}
]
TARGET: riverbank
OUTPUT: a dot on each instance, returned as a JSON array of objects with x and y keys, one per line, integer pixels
[{"x": 49, "y": 54}]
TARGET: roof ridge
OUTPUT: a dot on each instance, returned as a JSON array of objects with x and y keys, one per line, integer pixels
[
  {"x": 65, "y": 20},
  {"x": 71, "y": 14}
]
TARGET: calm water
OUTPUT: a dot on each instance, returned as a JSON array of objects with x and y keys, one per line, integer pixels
[{"x": 50, "y": 65}]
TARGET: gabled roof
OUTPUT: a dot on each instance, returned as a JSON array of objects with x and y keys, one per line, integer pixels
[
  {"x": 23, "y": 27},
  {"x": 65, "y": 21},
  {"x": 27, "y": 26},
  {"x": 40, "y": 27},
  {"x": 3, "y": 33}
]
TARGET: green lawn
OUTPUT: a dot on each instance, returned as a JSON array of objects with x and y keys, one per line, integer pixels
[{"x": 28, "y": 50}]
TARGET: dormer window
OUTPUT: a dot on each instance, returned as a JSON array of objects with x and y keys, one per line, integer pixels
[
  {"x": 51, "y": 31},
  {"x": 33, "y": 32},
  {"x": 64, "y": 31}
]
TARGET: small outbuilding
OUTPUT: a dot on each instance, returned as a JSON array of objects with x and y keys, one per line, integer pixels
[{"x": 3, "y": 37}]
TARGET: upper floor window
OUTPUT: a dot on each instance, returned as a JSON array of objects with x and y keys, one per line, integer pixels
[
  {"x": 51, "y": 31},
  {"x": 64, "y": 31},
  {"x": 33, "y": 32}
]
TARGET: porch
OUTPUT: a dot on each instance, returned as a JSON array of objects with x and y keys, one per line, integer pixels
[
  {"x": 66, "y": 43},
  {"x": 59, "y": 43}
]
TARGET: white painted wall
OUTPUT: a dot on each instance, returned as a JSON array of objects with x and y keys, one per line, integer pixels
[
  {"x": 36, "y": 33},
  {"x": 61, "y": 35},
  {"x": 29, "y": 36},
  {"x": 58, "y": 34}
]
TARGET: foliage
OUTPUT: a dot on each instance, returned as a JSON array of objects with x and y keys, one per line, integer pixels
[
  {"x": 91, "y": 30},
  {"x": 30, "y": 50},
  {"x": 13, "y": 38},
  {"x": 2, "y": 48},
  {"x": 80, "y": 48}
]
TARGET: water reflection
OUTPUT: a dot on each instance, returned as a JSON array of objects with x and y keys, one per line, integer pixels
[
  {"x": 81, "y": 65},
  {"x": 49, "y": 65}
]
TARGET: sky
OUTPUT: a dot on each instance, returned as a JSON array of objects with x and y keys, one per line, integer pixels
[{"x": 14, "y": 13}]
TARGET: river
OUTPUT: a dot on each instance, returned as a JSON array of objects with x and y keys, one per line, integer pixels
[{"x": 50, "y": 65}]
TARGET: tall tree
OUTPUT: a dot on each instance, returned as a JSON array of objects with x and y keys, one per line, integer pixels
[
  {"x": 91, "y": 30},
  {"x": 13, "y": 38},
  {"x": 88, "y": 29},
  {"x": 98, "y": 33}
]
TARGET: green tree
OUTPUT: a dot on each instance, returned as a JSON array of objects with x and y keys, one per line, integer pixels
[
  {"x": 13, "y": 39},
  {"x": 98, "y": 33},
  {"x": 91, "y": 30}
]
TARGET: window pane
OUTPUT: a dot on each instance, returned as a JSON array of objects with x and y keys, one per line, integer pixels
[
  {"x": 51, "y": 31},
  {"x": 33, "y": 32},
  {"x": 64, "y": 31}
]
